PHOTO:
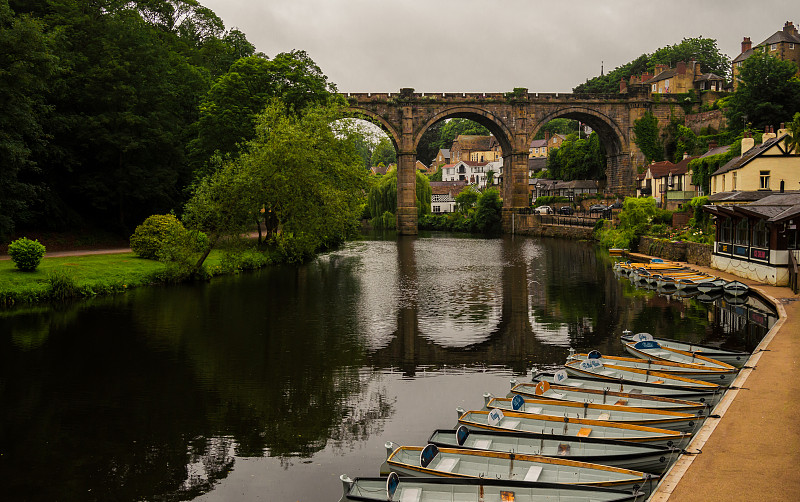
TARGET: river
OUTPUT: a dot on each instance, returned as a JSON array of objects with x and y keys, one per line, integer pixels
[{"x": 269, "y": 385}]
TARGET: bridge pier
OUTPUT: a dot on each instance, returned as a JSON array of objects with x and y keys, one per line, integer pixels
[
  {"x": 515, "y": 186},
  {"x": 406, "y": 193},
  {"x": 620, "y": 174}
]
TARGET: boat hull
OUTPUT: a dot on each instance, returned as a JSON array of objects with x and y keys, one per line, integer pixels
[{"x": 733, "y": 357}]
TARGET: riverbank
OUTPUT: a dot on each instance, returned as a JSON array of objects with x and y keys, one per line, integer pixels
[{"x": 752, "y": 451}]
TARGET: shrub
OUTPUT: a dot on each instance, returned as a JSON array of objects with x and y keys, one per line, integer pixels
[
  {"x": 26, "y": 254},
  {"x": 61, "y": 286},
  {"x": 149, "y": 237}
]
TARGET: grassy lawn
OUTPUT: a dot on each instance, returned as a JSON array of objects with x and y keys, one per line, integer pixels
[{"x": 99, "y": 274}]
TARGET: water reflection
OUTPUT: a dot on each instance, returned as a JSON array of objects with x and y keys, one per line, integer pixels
[{"x": 249, "y": 386}]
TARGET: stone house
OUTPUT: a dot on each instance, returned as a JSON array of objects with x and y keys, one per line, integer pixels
[
  {"x": 670, "y": 184},
  {"x": 766, "y": 167},
  {"x": 784, "y": 44},
  {"x": 681, "y": 79},
  {"x": 443, "y": 195},
  {"x": 540, "y": 147},
  {"x": 442, "y": 158},
  {"x": 464, "y": 145}
]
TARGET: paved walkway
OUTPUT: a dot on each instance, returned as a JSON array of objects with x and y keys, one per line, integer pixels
[
  {"x": 56, "y": 254},
  {"x": 753, "y": 451}
]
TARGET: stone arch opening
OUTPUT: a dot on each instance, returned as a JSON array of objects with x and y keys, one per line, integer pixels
[
  {"x": 478, "y": 115},
  {"x": 374, "y": 118},
  {"x": 610, "y": 133}
]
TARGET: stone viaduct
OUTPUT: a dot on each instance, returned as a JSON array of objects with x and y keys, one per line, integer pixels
[{"x": 514, "y": 119}]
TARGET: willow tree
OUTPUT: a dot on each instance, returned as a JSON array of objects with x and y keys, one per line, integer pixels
[{"x": 382, "y": 199}]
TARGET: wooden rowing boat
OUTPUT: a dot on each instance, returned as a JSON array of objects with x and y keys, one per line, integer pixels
[
  {"x": 413, "y": 489},
  {"x": 708, "y": 396},
  {"x": 579, "y": 427},
  {"x": 735, "y": 358},
  {"x": 432, "y": 460},
  {"x": 651, "y": 349},
  {"x": 638, "y": 456},
  {"x": 596, "y": 368},
  {"x": 698, "y": 371},
  {"x": 672, "y": 420},
  {"x": 545, "y": 390}
]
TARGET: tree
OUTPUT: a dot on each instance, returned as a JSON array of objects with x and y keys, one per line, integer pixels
[
  {"x": 428, "y": 145},
  {"x": 465, "y": 201},
  {"x": 489, "y": 212},
  {"x": 298, "y": 168},
  {"x": 558, "y": 126},
  {"x": 646, "y": 137},
  {"x": 577, "y": 158},
  {"x": 768, "y": 93},
  {"x": 27, "y": 65},
  {"x": 384, "y": 153},
  {"x": 455, "y": 127},
  {"x": 792, "y": 140},
  {"x": 229, "y": 110},
  {"x": 382, "y": 196}
]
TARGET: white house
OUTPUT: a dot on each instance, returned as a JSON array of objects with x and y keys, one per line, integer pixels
[
  {"x": 474, "y": 173},
  {"x": 443, "y": 195}
]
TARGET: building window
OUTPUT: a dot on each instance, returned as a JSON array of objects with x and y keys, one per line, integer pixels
[
  {"x": 437, "y": 209},
  {"x": 760, "y": 234},
  {"x": 733, "y": 181},
  {"x": 791, "y": 46},
  {"x": 544, "y": 149},
  {"x": 773, "y": 47},
  {"x": 764, "y": 180},
  {"x": 726, "y": 230},
  {"x": 742, "y": 236},
  {"x": 723, "y": 182}
]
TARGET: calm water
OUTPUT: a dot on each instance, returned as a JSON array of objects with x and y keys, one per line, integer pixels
[{"x": 267, "y": 386}]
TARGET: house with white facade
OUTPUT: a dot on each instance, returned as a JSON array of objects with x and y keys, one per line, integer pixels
[
  {"x": 443, "y": 195},
  {"x": 474, "y": 173}
]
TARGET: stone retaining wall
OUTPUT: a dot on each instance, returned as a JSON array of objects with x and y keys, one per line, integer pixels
[
  {"x": 528, "y": 224},
  {"x": 690, "y": 252}
]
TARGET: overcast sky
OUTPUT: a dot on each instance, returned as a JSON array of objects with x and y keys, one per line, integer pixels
[{"x": 489, "y": 46}]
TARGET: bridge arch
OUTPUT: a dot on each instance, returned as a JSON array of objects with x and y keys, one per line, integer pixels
[
  {"x": 611, "y": 134},
  {"x": 378, "y": 120},
  {"x": 487, "y": 119}
]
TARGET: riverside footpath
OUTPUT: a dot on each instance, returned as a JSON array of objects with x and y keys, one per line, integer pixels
[{"x": 752, "y": 452}]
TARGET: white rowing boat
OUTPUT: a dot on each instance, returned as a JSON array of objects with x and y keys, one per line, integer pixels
[
  {"x": 735, "y": 358},
  {"x": 698, "y": 371}
]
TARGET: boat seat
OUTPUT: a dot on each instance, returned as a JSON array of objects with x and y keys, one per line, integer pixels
[
  {"x": 483, "y": 444},
  {"x": 604, "y": 416},
  {"x": 556, "y": 395},
  {"x": 622, "y": 402},
  {"x": 584, "y": 432},
  {"x": 536, "y": 409},
  {"x": 533, "y": 473},
  {"x": 410, "y": 494},
  {"x": 447, "y": 464},
  {"x": 510, "y": 424},
  {"x": 607, "y": 373}
]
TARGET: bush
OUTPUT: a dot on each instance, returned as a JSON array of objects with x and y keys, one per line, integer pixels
[
  {"x": 61, "y": 286},
  {"x": 26, "y": 254},
  {"x": 149, "y": 237}
]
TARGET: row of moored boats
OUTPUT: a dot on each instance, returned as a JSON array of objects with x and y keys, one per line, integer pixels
[
  {"x": 674, "y": 276},
  {"x": 603, "y": 428}
]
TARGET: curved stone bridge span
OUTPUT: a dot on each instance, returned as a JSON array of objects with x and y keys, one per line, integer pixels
[{"x": 514, "y": 119}]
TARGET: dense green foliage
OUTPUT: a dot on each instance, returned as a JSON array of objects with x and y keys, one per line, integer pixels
[
  {"x": 547, "y": 200},
  {"x": 442, "y": 134},
  {"x": 634, "y": 220},
  {"x": 702, "y": 50},
  {"x": 300, "y": 176},
  {"x": 466, "y": 200},
  {"x": 26, "y": 254},
  {"x": 101, "y": 98},
  {"x": 382, "y": 198},
  {"x": 558, "y": 126},
  {"x": 792, "y": 140},
  {"x": 647, "y": 138},
  {"x": 485, "y": 217},
  {"x": 228, "y": 112},
  {"x": 577, "y": 159},
  {"x": 384, "y": 153},
  {"x": 768, "y": 93}
]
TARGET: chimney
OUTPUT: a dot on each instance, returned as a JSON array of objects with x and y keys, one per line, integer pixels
[
  {"x": 547, "y": 135},
  {"x": 747, "y": 143},
  {"x": 782, "y": 129},
  {"x": 623, "y": 87},
  {"x": 660, "y": 68},
  {"x": 789, "y": 28},
  {"x": 681, "y": 68},
  {"x": 746, "y": 44},
  {"x": 646, "y": 76},
  {"x": 685, "y": 155}
]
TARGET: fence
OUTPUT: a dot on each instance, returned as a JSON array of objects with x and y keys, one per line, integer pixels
[{"x": 570, "y": 221}]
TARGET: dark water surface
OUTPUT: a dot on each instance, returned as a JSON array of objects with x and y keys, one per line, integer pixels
[{"x": 267, "y": 386}]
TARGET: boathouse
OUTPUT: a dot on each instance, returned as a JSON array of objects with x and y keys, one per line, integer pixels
[{"x": 759, "y": 240}]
